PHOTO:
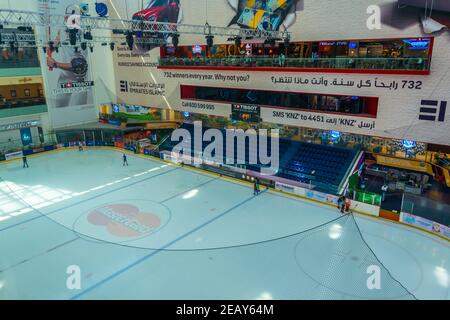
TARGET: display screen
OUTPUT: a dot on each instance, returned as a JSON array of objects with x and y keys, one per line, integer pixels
[
  {"x": 246, "y": 113},
  {"x": 25, "y": 135}
]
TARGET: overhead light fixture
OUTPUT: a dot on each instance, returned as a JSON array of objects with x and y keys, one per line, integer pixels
[
  {"x": 88, "y": 35},
  {"x": 238, "y": 41},
  {"x": 270, "y": 41},
  {"x": 44, "y": 49},
  {"x": 111, "y": 46},
  {"x": 84, "y": 46},
  {"x": 209, "y": 40},
  {"x": 91, "y": 48},
  {"x": 73, "y": 36},
  {"x": 51, "y": 46},
  {"x": 175, "y": 39},
  {"x": 130, "y": 40}
]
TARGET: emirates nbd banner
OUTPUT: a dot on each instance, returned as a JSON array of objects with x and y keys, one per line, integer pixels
[{"x": 67, "y": 72}]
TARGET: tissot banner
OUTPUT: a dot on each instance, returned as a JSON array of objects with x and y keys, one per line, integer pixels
[
  {"x": 412, "y": 107},
  {"x": 67, "y": 71}
]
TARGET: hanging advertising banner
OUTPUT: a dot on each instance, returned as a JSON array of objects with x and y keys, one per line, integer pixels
[
  {"x": 398, "y": 72},
  {"x": 66, "y": 67}
]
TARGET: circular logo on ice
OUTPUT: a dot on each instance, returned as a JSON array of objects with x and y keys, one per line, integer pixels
[{"x": 118, "y": 222}]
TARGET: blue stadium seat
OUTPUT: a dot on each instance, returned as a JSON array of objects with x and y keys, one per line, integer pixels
[{"x": 321, "y": 165}]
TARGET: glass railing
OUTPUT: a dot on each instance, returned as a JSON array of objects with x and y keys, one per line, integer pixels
[
  {"x": 26, "y": 63},
  {"x": 19, "y": 103},
  {"x": 427, "y": 208},
  {"x": 321, "y": 63}
]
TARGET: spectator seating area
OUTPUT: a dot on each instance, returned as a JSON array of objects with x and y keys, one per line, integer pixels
[{"x": 323, "y": 166}]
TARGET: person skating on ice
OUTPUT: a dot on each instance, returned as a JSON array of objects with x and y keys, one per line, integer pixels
[
  {"x": 255, "y": 188},
  {"x": 125, "y": 160},
  {"x": 342, "y": 203},
  {"x": 25, "y": 162},
  {"x": 348, "y": 204}
]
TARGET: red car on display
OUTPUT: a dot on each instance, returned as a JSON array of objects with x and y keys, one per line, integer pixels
[
  {"x": 160, "y": 11},
  {"x": 166, "y": 11}
]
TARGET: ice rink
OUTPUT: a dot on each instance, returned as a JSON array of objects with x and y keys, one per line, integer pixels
[{"x": 152, "y": 230}]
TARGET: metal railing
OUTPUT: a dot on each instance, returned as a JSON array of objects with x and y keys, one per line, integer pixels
[
  {"x": 31, "y": 18},
  {"x": 325, "y": 63}
]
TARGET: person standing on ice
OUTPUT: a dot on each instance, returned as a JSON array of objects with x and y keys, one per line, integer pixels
[
  {"x": 25, "y": 162},
  {"x": 348, "y": 204},
  {"x": 255, "y": 188},
  {"x": 125, "y": 160},
  {"x": 339, "y": 203}
]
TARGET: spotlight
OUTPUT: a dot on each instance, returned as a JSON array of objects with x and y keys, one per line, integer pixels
[
  {"x": 104, "y": 44},
  {"x": 286, "y": 42},
  {"x": 238, "y": 42},
  {"x": 84, "y": 46},
  {"x": 209, "y": 40},
  {"x": 73, "y": 36},
  {"x": 111, "y": 46},
  {"x": 88, "y": 35},
  {"x": 75, "y": 49},
  {"x": 130, "y": 40},
  {"x": 91, "y": 48},
  {"x": 57, "y": 49},
  {"x": 51, "y": 46},
  {"x": 44, "y": 49},
  {"x": 175, "y": 39},
  {"x": 270, "y": 41}
]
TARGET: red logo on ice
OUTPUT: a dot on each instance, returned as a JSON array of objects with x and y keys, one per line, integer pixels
[{"x": 124, "y": 220}]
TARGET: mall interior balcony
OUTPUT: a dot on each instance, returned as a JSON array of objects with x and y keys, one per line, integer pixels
[{"x": 401, "y": 56}]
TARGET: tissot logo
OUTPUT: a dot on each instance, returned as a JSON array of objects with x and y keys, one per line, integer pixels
[
  {"x": 81, "y": 84},
  {"x": 433, "y": 110},
  {"x": 124, "y": 86}
]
